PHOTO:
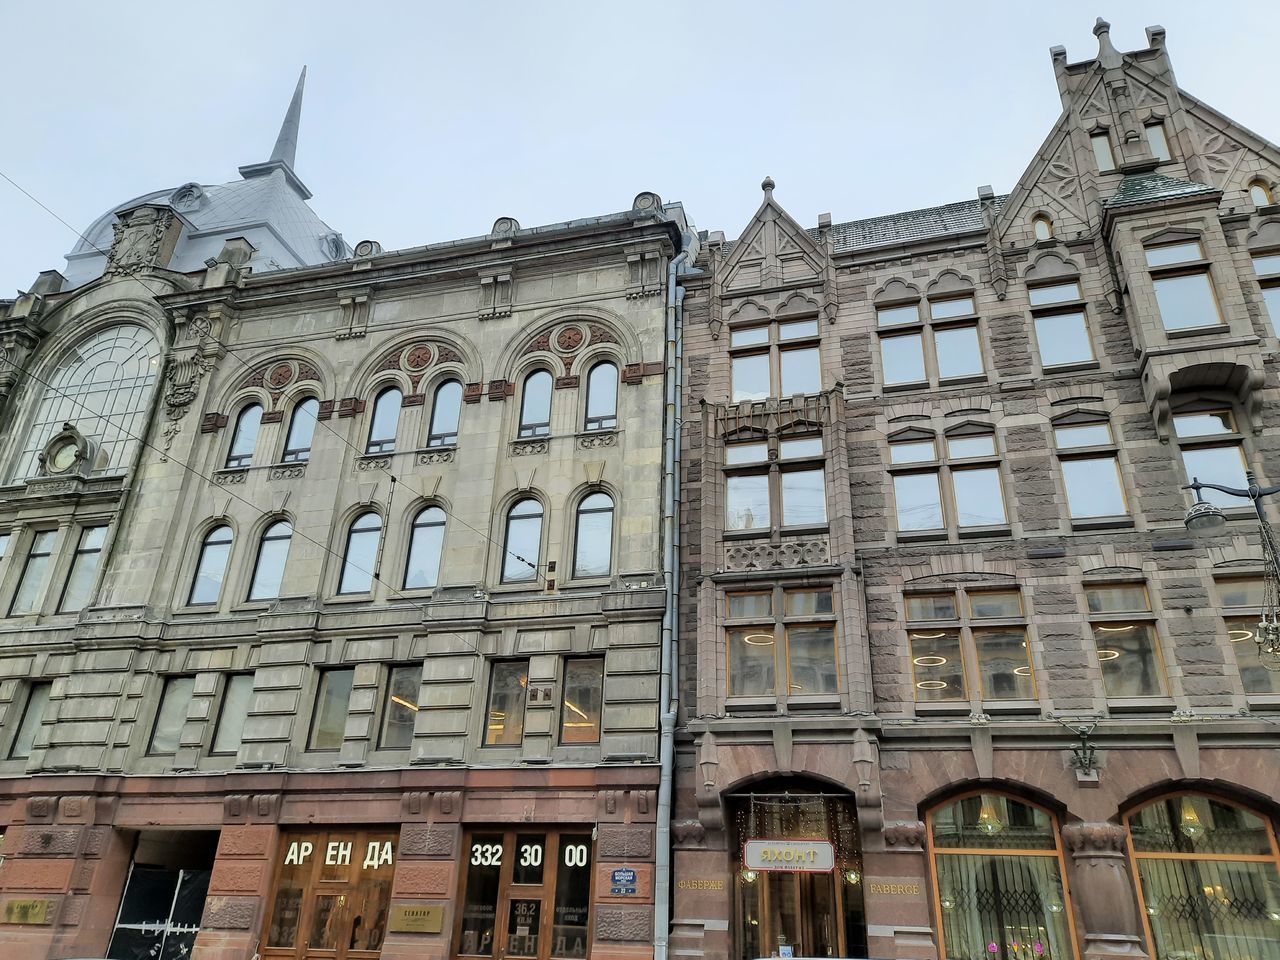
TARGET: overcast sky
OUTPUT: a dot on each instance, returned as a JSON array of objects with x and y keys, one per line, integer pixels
[{"x": 425, "y": 122}]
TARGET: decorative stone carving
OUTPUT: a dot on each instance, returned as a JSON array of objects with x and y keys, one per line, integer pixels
[
  {"x": 1093, "y": 839},
  {"x": 625, "y": 842},
  {"x": 594, "y": 441},
  {"x": 524, "y": 448},
  {"x": 764, "y": 556},
  {"x": 229, "y": 913},
  {"x": 188, "y": 198},
  {"x": 904, "y": 835},
  {"x": 419, "y": 840},
  {"x": 372, "y": 463},
  {"x": 353, "y": 314},
  {"x": 570, "y": 338},
  {"x": 68, "y": 453},
  {"x": 601, "y": 334},
  {"x": 624, "y": 923},
  {"x": 689, "y": 833},
  {"x": 227, "y": 478},
  {"x": 368, "y": 248},
  {"x": 182, "y": 377},
  {"x": 295, "y": 472},
  {"x": 144, "y": 239},
  {"x": 497, "y": 290},
  {"x": 435, "y": 456},
  {"x": 1103, "y": 891}
]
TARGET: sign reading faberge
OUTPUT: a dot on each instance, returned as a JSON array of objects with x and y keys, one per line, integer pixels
[{"x": 816, "y": 856}]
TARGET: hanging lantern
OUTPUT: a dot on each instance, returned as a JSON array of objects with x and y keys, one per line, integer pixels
[
  {"x": 989, "y": 821},
  {"x": 1190, "y": 824}
]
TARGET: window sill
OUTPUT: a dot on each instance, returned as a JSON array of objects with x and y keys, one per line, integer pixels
[
  {"x": 1101, "y": 523},
  {"x": 909, "y": 385},
  {"x": 346, "y": 599},
  {"x": 1140, "y": 705},
  {"x": 813, "y": 702},
  {"x": 1264, "y": 701},
  {"x": 977, "y": 533},
  {"x": 921, "y": 536},
  {"x": 749, "y": 704},
  {"x": 943, "y": 708},
  {"x": 1209, "y": 328},
  {"x": 746, "y": 534},
  {"x": 596, "y": 583},
  {"x": 966, "y": 378},
  {"x": 1076, "y": 366},
  {"x": 1011, "y": 706}
]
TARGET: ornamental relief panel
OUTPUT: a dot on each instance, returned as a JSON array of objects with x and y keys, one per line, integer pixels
[
  {"x": 568, "y": 339},
  {"x": 762, "y": 555},
  {"x": 416, "y": 358}
]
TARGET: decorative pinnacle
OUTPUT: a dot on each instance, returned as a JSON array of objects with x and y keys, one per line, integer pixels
[
  {"x": 286, "y": 148},
  {"x": 767, "y": 186},
  {"x": 1108, "y": 56}
]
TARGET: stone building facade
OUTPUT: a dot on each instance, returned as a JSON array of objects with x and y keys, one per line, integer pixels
[
  {"x": 956, "y": 681},
  {"x": 333, "y": 585}
]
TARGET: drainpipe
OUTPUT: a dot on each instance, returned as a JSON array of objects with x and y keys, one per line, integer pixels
[{"x": 669, "y": 697}]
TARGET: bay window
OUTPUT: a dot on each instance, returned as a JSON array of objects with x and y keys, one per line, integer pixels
[
  {"x": 781, "y": 642},
  {"x": 1184, "y": 289},
  {"x": 788, "y": 491},
  {"x": 778, "y": 359}
]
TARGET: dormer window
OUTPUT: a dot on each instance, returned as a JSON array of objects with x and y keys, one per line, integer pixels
[
  {"x": 1157, "y": 141},
  {"x": 1102, "y": 154},
  {"x": 1184, "y": 289}
]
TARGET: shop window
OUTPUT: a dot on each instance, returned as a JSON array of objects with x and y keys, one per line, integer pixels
[
  {"x": 237, "y": 694},
  {"x": 788, "y": 491},
  {"x": 1260, "y": 193},
  {"x": 446, "y": 410},
  {"x": 164, "y": 896},
  {"x": 504, "y": 719},
  {"x": 302, "y": 428},
  {"x": 273, "y": 554},
  {"x": 400, "y": 709},
  {"x": 211, "y": 566},
  {"x": 426, "y": 546},
  {"x": 84, "y": 569},
  {"x": 946, "y": 348},
  {"x": 361, "y": 555},
  {"x": 779, "y": 359},
  {"x": 781, "y": 643},
  {"x": 329, "y": 718},
  {"x": 969, "y": 473},
  {"x": 949, "y": 631},
  {"x": 1102, "y": 153},
  {"x": 1042, "y": 227},
  {"x": 1242, "y": 600},
  {"x": 1062, "y": 330},
  {"x": 593, "y": 537},
  {"x": 535, "y": 405},
  {"x": 1184, "y": 289},
  {"x": 33, "y": 712},
  {"x": 1267, "y": 267},
  {"x": 1208, "y": 877},
  {"x": 175, "y": 699},
  {"x": 523, "y": 542},
  {"x": 385, "y": 421},
  {"x": 602, "y": 397},
  {"x": 1212, "y": 450},
  {"x": 244, "y": 440},
  {"x": 1088, "y": 458},
  {"x": 1124, "y": 635},
  {"x": 583, "y": 699},
  {"x": 998, "y": 868},
  {"x": 35, "y": 572},
  {"x": 1157, "y": 140}
]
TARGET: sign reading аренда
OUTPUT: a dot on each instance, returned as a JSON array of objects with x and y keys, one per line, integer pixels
[{"x": 794, "y": 855}]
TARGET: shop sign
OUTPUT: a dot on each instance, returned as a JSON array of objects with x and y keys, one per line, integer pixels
[
  {"x": 699, "y": 884},
  {"x": 623, "y": 882},
  {"x": 910, "y": 887},
  {"x": 337, "y": 853},
  {"x": 28, "y": 911},
  {"x": 789, "y": 855},
  {"x": 416, "y": 919}
]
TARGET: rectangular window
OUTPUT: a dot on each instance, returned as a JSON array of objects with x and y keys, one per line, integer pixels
[
  {"x": 400, "y": 710},
  {"x": 739, "y": 453},
  {"x": 237, "y": 694},
  {"x": 799, "y": 648},
  {"x": 994, "y": 604},
  {"x": 1257, "y": 679},
  {"x": 750, "y": 605},
  {"x": 750, "y": 377},
  {"x": 976, "y": 494},
  {"x": 1242, "y": 592},
  {"x": 1187, "y": 300},
  {"x": 801, "y": 371},
  {"x": 583, "y": 699},
  {"x": 752, "y": 657},
  {"x": 34, "y": 573},
  {"x": 801, "y": 447},
  {"x": 807, "y": 603},
  {"x": 329, "y": 718},
  {"x": 1082, "y": 435},
  {"x": 1209, "y": 423},
  {"x": 931, "y": 606},
  {"x": 804, "y": 498},
  {"x": 1003, "y": 664},
  {"x": 504, "y": 719},
  {"x": 175, "y": 700},
  {"x": 937, "y": 665},
  {"x": 747, "y": 502},
  {"x": 1054, "y": 293},
  {"x": 912, "y": 451},
  {"x": 1223, "y": 465},
  {"x": 1118, "y": 598},
  {"x": 980, "y": 445},
  {"x": 33, "y": 712},
  {"x": 893, "y": 316},
  {"x": 956, "y": 307},
  {"x": 979, "y": 499},
  {"x": 1128, "y": 658},
  {"x": 958, "y": 352},
  {"x": 748, "y": 337},
  {"x": 918, "y": 501},
  {"x": 773, "y": 361},
  {"x": 1094, "y": 488},
  {"x": 946, "y": 632},
  {"x": 811, "y": 659},
  {"x": 1101, "y": 143},
  {"x": 84, "y": 568},
  {"x": 903, "y": 359},
  {"x": 4, "y": 544},
  {"x": 1267, "y": 265},
  {"x": 1167, "y": 254},
  {"x": 1156, "y": 141},
  {"x": 1063, "y": 338}
]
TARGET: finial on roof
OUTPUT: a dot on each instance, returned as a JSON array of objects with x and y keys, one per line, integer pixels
[
  {"x": 287, "y": 143},
  {"x": 767, "y": 186},
  {"x": 1108, "y": 56}
]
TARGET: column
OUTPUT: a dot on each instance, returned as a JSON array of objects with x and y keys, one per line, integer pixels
[{"x": 1102, "y": 886}]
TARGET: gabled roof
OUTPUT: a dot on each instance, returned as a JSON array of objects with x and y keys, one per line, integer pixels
[{"x": 1146, "y": 187}]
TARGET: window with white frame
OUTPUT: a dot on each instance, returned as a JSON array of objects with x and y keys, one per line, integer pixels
[
  {"x": 969, "y": 644},
  {"x": 781, "y": 641},
  {"x": 1089, "y": 460},
  {"x": 777, "y": 359},
  {"x": 446, "y": 410},
  {"x": 946, "y": 482},
  {"x": 426, "y": 546},
  {"x": 1062, "y": 330},
  {"x": 211, "y": 566},
  {"x": 602, "y": 397},
  {"x": 268, "y": 568},
  {"x": 1125, "y": 639},
  {"x": 593, "y": 536},
  {"x": 785, "y": 491},
  {"x": 535, "y": 405},
  {"x": 1212, "y": 450},
  {"x": 1240, "y": 602},
  {"x": 522, "y": 544},
  {"x": 361, "y": 556},
  {"x": 1183, "y": 286},
  {"x": 917, "y": 351}
]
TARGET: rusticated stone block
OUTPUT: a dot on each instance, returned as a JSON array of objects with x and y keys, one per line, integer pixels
[
  {"x": 625, "y": 842},
  {"x": 82, "y": 876},
  {"x": 230, "y": 913},
  {"x": 246, "y": 841},
  {"x": 40, "y": 809},
  {"x": 418, "y": 840},
  {"x": 37, "y": 873},
  {"x": 76, "y": 809},
  {"x": 429, "y": 878},
  {"x": 50, "y": 842},
  {"x": 72, "y": 911},
  {"x": 624, "y": 923},
  {"x": 95, "y": 841},
  {"x": 237, "y": 875}
]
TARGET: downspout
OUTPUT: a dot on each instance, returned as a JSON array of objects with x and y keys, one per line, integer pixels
[{"x": 668, "y": 696}]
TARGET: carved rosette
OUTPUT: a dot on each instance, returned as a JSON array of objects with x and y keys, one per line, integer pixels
[{"x": 524, "y": 448}]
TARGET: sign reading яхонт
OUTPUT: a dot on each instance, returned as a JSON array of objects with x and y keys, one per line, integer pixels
[{"x": 816, "y": 856}]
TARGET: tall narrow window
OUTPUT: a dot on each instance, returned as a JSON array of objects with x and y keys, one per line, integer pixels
[
  {"x": 1267, "y": 267},
  {"x": 1212, "y": 451},
  {"x": 237, "y": 692},
  {"x": 523, "y": 542},
  {"x": 361, "y": 555},
  {"x": 302, "y": 427},
  {"x": 1062, "y": 332},
  {"x": 166, "y": 735},
  {"x": 329, "y": 718},
  {"x": 446, "y": 408},
  {"x": 535, "y": 405},
  {"x": 34, "y": 574},
  {"x": 583, "y": 698},
  {"x": 1102, "y": 155},
  {"x": 1260, "y": 193},
  {"x": 386, "y": 418},
  {"x": 273, "y": 553},
  {"x": 211, "y": 567},
  {"x": 32, "y": 717},
  {"x": 4, "y": 544},
  {"x": 998, "y": 867},
  {"x": 400, "y": 711},
  {"x": 1157, "y": 141},
  {"x": 426, "y": 542},
  {"x": 1242, "y": 600},
  {"x": 1090, "y": 470},
  {"x": 1184, "y": 289},
  {"x": 593, "y": 538},
  {"x": 1042, "y": 226},
  {"x": 504, "y": 719},
  {"x": 245, "y": 437},
  {"x": 84, "y": 568},
  {"x": 1125, "y": 637},
  {"x": 602, "y": 397}
]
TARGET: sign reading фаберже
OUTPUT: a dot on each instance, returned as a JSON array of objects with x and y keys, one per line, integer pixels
[{"x": 817, "y": 856}]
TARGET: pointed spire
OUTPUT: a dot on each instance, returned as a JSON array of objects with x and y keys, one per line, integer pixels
[
  {"x": 1108, "y": 56},
  {"x": 287, "y": 143}
]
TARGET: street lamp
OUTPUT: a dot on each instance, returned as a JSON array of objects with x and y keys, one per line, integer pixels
[{"x": 1205, "y": 517}]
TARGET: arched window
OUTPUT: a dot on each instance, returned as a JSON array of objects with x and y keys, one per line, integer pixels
[
  {"x": 602, "y": 397},
  {"x": 1043, "y": 228},
  {"x": 1208, "y": 878},
  {"x": 1260, "y": 193},
  {"x": 211, "y": 567},
  {"x": 535, "y": 405},
  {"x": 103, "y": 385},
  {"x": 361, "y": 556},
  {"x": 593, "y": 538},
  {"x": 268, "y": 568},
  {"x": 445, "y": 409},
  {"x": 302, "y": 427},
  {"x": 998, "y": 864},
  {"x": 245, "y": 437},
  {"x": 425, "y": 544},
  {"x": 523, "y": 542},
  {"x": 386, "y": 417}
]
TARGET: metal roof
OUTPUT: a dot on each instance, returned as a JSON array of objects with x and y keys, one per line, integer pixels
[{"x": 1146, "y": 187}]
